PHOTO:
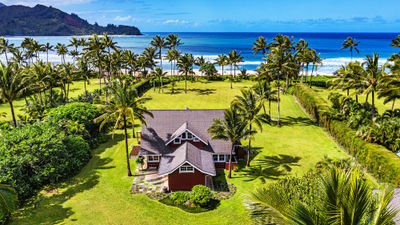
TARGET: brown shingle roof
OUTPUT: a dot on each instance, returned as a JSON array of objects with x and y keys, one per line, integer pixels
[
  {"x": 187, "y": 153},
  {"x": 165, "y": 123}
]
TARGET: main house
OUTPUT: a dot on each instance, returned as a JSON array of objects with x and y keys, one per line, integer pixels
[{"x": 177, "y": 144}]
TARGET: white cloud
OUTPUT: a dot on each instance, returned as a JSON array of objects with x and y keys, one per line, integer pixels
[
  {"x": 45, "y": 2},
  {"x": 122, "y": 18},
  {"x": 177, "y": 21}
]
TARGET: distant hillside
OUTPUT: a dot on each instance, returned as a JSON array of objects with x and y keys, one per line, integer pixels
[{"x": 17, "y": 20}]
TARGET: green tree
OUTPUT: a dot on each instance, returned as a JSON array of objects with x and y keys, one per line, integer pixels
[
  {"x": 222, "y": 60},
  {"x": 351, "y": 44},
  {"x": 390, "y": 85},
  {"x": 249, "y": 108},
  {"x": 5, "y": 46},
  {"x": 48, "y": 47},
  {"x": 231, "y": 128},
  {"x": 185, "y": 65},
  {"x": 62, "y": 50},
  {"x": 234, "y": 58},
  {"x": 125, "y": 104},
  {"x": 260, "y": 45},
  {"x": 172, "y": 41},
  {"x": 341, "y": 197},
  {"x": 95, "y": 49},
  {"x": 159, "y": 74},
  {"x": 12, "y": 85},
  {"x": 265, "y": 94},
  {"x": 159, "y": 43}
]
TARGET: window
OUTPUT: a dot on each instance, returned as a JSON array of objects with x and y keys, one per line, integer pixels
[
  {"x": 153, "y": 158},
  {"x": 177, "y": 140},
  {"x": 189, "y": 136},
  {"x": 184, "y": 136},
  {"x": 219, "y": 158},
  {"x": 186, "y": 169},
  {"x": 215, "y": 158},
  {"x": 196, "y": 139}
]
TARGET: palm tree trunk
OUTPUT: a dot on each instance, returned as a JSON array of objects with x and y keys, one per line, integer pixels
[
  {"x": 162, "y": 86},
  {"x": 230, "y": 162},
  {"x": 393, "y": 104},
  {"x": 373, "y": 105},
  {"x": 12, "y": 113},
  {"x": 302, "y": 72},
  {"x": 5, "y": 52},
  {"x": 287, "y": 83},
  {"x": 100, "y": 70},
  {"x": 279, "y": 101},
  {"x": 126, "y": 149},
  {"x": 312, "y": 71},
  {"x": 249, "y": 149},
  {"x": 47, "y": 56},
  {"x": 185, "y": 82},
  {"x": 366, "y": 97},
  {"x": 133, "y": 130},
  {"x": 84, "y": 82},
  {"x": 154, "y": 85},
  {"x": 357, "y": 98},
  {"x": 222, "y": 70}
]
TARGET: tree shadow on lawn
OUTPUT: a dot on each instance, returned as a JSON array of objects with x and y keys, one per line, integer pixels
[
  {"x": 47, "y": 207},
  {"x": 198, "y": 91},
  {"x": 301, "y": 121},
  {"x": 271, "y": 167}
]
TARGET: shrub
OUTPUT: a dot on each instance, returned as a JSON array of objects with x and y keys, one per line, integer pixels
[
  {"x": 83, "y": 113},
  {"x": 201, "y": 195},
  {"x": 180, "y": 197},
  {"x": 36, "y": 155},
  {"x": 378, "y": 160}
]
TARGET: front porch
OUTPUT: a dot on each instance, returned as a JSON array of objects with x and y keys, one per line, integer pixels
[{"x": 148, "y": 182}]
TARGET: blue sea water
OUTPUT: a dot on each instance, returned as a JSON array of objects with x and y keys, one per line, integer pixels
[{"x": 210, "y": 45}]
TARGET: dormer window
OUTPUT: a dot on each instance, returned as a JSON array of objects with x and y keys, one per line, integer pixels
[
  {"x": 177, "y": 140},
  {"x": 196, "y": 139},
  {"x": 189, "y": 136},
  {"x": 184, "y": 136}
]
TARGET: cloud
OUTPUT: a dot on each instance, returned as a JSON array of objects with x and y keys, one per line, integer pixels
[
  {"x": 45, "y": 2},
  {"x": 122, "y": 18},
  {"x": 176, "y": 21}
]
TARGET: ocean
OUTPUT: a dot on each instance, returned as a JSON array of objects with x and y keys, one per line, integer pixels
[{"x": 210, "y": 45}]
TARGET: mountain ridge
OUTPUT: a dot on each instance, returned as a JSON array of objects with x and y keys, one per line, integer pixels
[{"x": 40, "y": 20}]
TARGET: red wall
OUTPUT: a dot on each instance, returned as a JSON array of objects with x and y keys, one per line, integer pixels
[
  {"x": 233, "y": 165},
  {"x": 153, "y": 164},
  {"x": 220, "y": 165},
  {"x": 185, "y": 181}
]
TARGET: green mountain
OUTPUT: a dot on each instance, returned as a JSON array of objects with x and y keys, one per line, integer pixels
[{"x": 18, "y": 20}]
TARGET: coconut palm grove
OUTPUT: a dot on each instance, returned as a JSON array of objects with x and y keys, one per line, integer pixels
[{"x": 95, "y": 133}]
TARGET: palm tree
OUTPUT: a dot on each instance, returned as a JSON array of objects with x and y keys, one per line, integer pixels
[
  {"x": 231, "y": 127},
  {"x": 390, "y": 85},
  {"x": 172, "y": 41},
  {"x": 316, "y": 60},
  {"x": 68, "y": 75},
  {"x": 18, "y": 56},
  {"x": 264, "y": 93},
  {"x": 260, "y": 45},
  {"x": 396, "y": 42},
  {"x": 109, "y": 43},
  {"x": 301, "y": 57},
  {"x": 12, "y": 85},
  {"x": 5, "y": 46},
  {"x": 84, "y": 71},
  {"x": 351, "y": 44},
  {"x": 62, "y": 50},
  {"x": 249, "y": 108},
  {"x": 159, "y": 73},
  {"x": 48, "y": 47},
  {"x": 159, "y": 43},
  {"x": 8, "y": 200},
  {"x": 124, "y": 104},
  {"x": 233, "y": 59},
  {"x": 131, "y": 61},
  {"x": 374, "y": 74},
  {"x": 279, "y": 60},
  {"x": 222, "y": 60},
  {"x": 95, "y": 49},
  {"x": 344, "y": 198},
  {"x": 170, "y": 57},
  {"x": 185, "y": 65},
  {"x": 200, "y": 61}
]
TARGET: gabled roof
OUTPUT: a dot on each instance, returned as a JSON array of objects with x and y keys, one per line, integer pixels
[
  {"x": 187, "y": 153},
  {"x": 165, "y": 124},
  {"x": 183, "y": 128}
]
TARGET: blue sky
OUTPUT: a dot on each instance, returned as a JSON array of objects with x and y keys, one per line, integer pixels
[{"x": 237, "y": 16}]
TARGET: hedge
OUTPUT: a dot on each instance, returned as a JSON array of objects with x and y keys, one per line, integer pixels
[{"x": 378, "y": 160}]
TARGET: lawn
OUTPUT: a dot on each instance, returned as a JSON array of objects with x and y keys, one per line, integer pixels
[
  {"x": 99, "y": 194},
  {"x": 76, "y": 88}
]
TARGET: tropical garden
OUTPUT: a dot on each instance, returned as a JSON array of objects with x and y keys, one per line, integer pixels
[{"x": 67, "y": 129}]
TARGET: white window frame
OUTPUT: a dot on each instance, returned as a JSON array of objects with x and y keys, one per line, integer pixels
[
  {"x": 177, "y": 140},
  {"x": 184, "y": 138},
  {"x": 152, "y": 160},
  {"x": 186, "y": 167},
  {"x": 195, "y": 139},
  {"x": 218, "y": 158},
  {"x": 187, "y": 135}
]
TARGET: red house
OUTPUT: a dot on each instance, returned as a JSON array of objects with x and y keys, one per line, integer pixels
[{"x": 177, "y": 144}]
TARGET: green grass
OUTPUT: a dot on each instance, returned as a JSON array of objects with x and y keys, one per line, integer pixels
[
  {"x": 76, "y": 88},
  {"x": 100, "y": 193},
  {"x": 324, "y": 93}
]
